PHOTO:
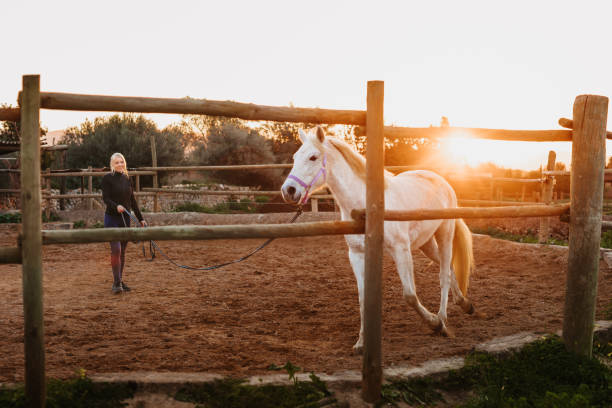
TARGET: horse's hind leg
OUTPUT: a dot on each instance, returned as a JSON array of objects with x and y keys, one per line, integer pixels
[
  {"x": 465, "y": 304},
  {"x": 444, "y": 238},
  {"x": 405, "y": 268},
  {"x": 357, "y": 259},
  {"x": 430, "y": 249}
]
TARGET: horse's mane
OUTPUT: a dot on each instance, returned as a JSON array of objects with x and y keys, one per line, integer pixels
[{"x": 355, "y": 161}]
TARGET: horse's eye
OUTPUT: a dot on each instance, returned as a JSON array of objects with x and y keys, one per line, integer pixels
[{"x": 313, "y": 158}]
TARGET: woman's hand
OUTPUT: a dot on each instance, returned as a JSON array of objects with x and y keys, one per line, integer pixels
[
  {"x": 143, "y": 223},
  {"x": 120, "y": 208}
]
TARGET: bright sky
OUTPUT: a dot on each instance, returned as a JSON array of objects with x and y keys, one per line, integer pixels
[{"x": 514, "y": 65}]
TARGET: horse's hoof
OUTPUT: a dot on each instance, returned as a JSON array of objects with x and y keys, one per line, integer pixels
[
  {"x": 444, "y": 331},
  {"x": 479, "y": 315},
  {"x": 471, "y": 309}
]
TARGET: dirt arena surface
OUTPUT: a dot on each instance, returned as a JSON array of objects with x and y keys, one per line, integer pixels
[{"x": 295, "y": 301}]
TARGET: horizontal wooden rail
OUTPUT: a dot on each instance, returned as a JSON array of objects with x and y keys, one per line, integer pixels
[
  {"x": 489, "y": 203},
  {"x": 10, "y": 255},
  {"x": 94, "y": 173},
  {"x": 569, "y": 124},
  {"x": 247, "y": 111},
  {"x": 516, "y": 180},
  {"x": 397, "y": 132},
  {"x": 566, "y": 172},
  {"x": 10, "y": 114},
  {"x": 226, "y": 192},
  {"x": 87, "y": 195},
  {"x": 236, "y": 167},
  {"x": 202, "y": 232},
  {"x": 470, "y": 212}
]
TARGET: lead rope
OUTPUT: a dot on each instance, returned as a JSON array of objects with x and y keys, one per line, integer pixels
[{"x": 153, "y": 247}]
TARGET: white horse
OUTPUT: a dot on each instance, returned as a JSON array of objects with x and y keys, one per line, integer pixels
[{"x": 327, "y": 161}]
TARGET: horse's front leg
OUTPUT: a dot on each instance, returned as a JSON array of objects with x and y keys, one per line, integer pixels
[{"x": 357, "y": 259}]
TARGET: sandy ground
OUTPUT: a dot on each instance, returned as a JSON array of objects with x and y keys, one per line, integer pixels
[{"x": 295, "y": 301}]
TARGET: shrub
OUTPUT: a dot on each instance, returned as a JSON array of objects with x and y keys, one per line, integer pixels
[
  {"x": 78, "y": 224},
  {"x": 10, "y": 218}
]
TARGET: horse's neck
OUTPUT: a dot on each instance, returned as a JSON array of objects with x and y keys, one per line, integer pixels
[{"x": 348, "y": 189}]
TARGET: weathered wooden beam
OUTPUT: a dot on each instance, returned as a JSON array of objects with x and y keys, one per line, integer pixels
[
  {"x": 223, "y": 192},
  {"x": 10, "y": 114},
  {"x": 202, "y": 232},
  {"x": 487, "y": 203},
  {"x": 374, "y": 238},
  {"x": 9, "y": 255},
  {"x": 397, "y": 132},
  {"x": 86, "y": 195},
  {"x": 566, "y": 173},
  {"x": 569, "y": 124},
  {"x": 232, "y": 167},
  {"x": 86, "y": 173},
  {"x": 247, "y": 111},
  {"x": 31, "y": 243},
  {"x": 470, "y": 212},
  {"x": 547, "y": 192},
  {"x": 586, "y": 188}
]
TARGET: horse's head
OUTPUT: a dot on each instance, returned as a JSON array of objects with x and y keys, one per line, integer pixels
[{"x": 309, "y": 172}]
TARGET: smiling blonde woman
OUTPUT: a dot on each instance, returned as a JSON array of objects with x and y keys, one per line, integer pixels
[{"x": 118, "y": 195}]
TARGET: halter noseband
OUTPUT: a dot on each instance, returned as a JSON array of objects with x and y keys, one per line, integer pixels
[{"x": 322, "y": 171}]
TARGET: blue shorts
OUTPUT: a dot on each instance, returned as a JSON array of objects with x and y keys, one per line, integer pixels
[{"x": 116, "y": 221}]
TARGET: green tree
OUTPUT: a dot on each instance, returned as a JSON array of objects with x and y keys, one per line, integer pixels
[
  {"x": 228, "y": 143},
  {"x": 93, "y": 143},
  {"x": 10, "y": 131}
]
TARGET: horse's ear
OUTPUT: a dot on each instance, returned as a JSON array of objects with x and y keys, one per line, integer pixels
[
  {"x": 302, "y": 135},
  {"x": 320, "y": 134}
]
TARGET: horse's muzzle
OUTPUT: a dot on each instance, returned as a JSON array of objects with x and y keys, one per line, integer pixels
[{"x": 290, "y": 194}]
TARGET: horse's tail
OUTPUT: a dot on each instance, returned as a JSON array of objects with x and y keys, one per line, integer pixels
[{"x": 463, "y": 256}]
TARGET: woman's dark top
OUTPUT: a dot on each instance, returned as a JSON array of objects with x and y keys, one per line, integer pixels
[{"x": 117, "y": 190}]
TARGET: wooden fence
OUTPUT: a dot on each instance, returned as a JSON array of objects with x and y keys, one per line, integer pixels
[
  {"x": 588, "y": 160},
  {"x": 495, "y": 190}
]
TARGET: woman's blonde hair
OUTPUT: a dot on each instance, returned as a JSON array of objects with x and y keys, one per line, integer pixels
[{"x": 113, "y": 157}]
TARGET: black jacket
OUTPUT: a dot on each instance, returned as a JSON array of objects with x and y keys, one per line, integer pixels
[{"x": 117, "y": 190}]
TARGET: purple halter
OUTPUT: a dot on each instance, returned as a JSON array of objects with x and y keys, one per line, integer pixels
[{"x": 321, "y": 171}]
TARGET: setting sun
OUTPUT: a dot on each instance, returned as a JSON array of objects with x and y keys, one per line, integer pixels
[{"x": 461, "y": 149}]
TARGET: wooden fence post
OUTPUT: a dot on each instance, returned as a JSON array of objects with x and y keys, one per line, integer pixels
[
  {"x": 547, "y": 189},
  {"x": 90, "y": 189},
  {"x": 374, "y": 236},
  {"x": 62, "y": 205},
  {"x": 314, "y": 205},
  {"x": 31, "y": 244},
  {"x": 587, "y": 180},
  {"x": 48, "y": 188},
  {"x": 154, "y": 161}
]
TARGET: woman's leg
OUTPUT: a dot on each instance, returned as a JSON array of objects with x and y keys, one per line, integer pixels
[
  {"x": 116, "y": 251},
  {"x": 123, "y": 247},
  {"x": 116, "y": 255}
]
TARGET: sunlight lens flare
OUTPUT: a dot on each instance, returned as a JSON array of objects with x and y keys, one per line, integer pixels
[{"x": 461, "y": 149}]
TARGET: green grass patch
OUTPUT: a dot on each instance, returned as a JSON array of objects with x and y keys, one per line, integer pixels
[
  {"x": 15, "y": 218},
  {"x": 10, "y": 218},
  {"x": 78, "y": 224},
  {"x": 542, "y": 374},
  {"x": 529, "y": 238},
  {"x": 234, "y": 393},
  {"x": 78, "y": 392},
  {"x": 606, "y": 239}
]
